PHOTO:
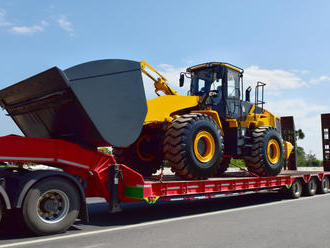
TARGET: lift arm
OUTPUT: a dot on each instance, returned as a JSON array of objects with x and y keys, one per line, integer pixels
[{"x": 159, "y": 83}]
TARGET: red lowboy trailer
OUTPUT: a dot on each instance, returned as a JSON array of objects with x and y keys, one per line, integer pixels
[
  {"x": 51, "y": 200},
  {"x": 66, "y": 115}
]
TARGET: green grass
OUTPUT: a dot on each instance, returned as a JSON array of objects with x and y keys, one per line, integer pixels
[{"x": 237, "y": 163}]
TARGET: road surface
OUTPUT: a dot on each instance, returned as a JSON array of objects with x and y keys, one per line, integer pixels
[{"x": 261, "y": 220}]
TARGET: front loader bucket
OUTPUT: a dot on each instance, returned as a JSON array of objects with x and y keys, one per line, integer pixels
[{"x": 98, "y": 103}]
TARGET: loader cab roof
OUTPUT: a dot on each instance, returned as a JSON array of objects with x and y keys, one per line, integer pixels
[
  {"x": 214, "y": 64},
  {"x": 215, "y": 76}
]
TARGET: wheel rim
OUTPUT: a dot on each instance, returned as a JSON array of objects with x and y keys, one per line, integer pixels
[
  {"x": 53, "y": 206},
  {"x": 312, "y": 186},
  {"x": 273, "y": 151},
  {"x": 141, "y": 148},
  {"x": 325, "y": 185},
  {"x": 204, "y": 146},
  {"x": 296, "y": 189}
]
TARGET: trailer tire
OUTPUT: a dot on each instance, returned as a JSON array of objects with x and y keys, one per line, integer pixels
[
  {"x": 267, "y": 152},
  {"x": 310, "y": 188},
  {"x": 145, "y": 155},
  {"x": 51, "y": 206},
  {"x": 296, "y": 189},
  {"x": 323, "y": 186},
  {"x": 193, "y": 146}
]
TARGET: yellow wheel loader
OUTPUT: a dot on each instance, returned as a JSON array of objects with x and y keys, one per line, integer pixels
[
  {"x": 103, "y": 103},
  {"x": 198, "y": 134}
]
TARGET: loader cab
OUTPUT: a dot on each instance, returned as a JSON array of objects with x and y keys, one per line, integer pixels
[{"x": 221, "y": 84}]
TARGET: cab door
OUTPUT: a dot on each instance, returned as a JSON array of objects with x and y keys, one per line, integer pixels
[{"x": 233, "y": 105}]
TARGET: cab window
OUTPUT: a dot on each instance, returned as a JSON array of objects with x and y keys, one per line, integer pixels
[
  {"x": 199, "y": 86},
  {"x": 233, "y": 84}
]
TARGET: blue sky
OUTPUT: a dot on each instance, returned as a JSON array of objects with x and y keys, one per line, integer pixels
[{"x": 283, "y": 43}]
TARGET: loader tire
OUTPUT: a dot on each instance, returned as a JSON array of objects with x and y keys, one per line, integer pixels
[
  {"x": 193, "y": 146},
  {"x": 145, "y": 155},
  {"x": 267, "y": 153}
]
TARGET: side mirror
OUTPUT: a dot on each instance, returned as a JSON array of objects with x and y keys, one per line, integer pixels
[{"x": 181, "y": 80}]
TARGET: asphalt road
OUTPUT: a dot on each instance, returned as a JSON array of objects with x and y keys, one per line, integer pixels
[{"x": 261, "y": 220}]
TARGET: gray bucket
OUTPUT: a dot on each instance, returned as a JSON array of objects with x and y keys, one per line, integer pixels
[{"x": 98, "y": 103}]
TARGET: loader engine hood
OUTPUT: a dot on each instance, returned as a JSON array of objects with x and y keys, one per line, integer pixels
[{"x": 98, "y": 103}]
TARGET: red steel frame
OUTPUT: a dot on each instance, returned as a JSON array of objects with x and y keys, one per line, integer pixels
[
  {"x": 93, "y": 167},
  {"x": 71, "y": 158}
]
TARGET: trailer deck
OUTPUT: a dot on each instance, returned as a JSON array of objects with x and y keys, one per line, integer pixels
[
  {"x": 152, "y": 189},
  {"x": 90, "y": 173}
]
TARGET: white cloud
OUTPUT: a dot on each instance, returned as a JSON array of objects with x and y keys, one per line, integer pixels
[
  {"x": 65, "y": 25},
  {"x": 21, "y": 29},
  {"x": 319, "y": 80},
  {"x": 297, "y": 107},
  {"x": 28, "y": 30},
  {"x": 173, "y": 74},
  {"x": 276, "y": 80},
  {"x": 3, "y": 21},
  {"x": 303, "y": 72}
]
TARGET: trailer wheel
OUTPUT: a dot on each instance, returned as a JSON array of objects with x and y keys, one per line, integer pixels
[
  {"x": 295, "y": 190},
  {"x": 323, "y": 186},
  {"x": 310, "y": 188},
  {"x": 51, "y": 206},
  {"x": 145, "y": 155},
  {"x": 193, "y": 146},
  {"x": 267, "y": 152}
]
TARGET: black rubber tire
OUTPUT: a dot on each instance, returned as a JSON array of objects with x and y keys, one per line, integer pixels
[
  {"x": 223, "y": 166},
  {"x": 310, "y": 188},
  {"x": 295, "y": 190},
  {"x": 129, "y": 156},
  {"x": 179, "y": 146},
  {"x": 30, "y": 205},
  {"x": 323, "y": 186},
  {"x": 258, "y": 162}
]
